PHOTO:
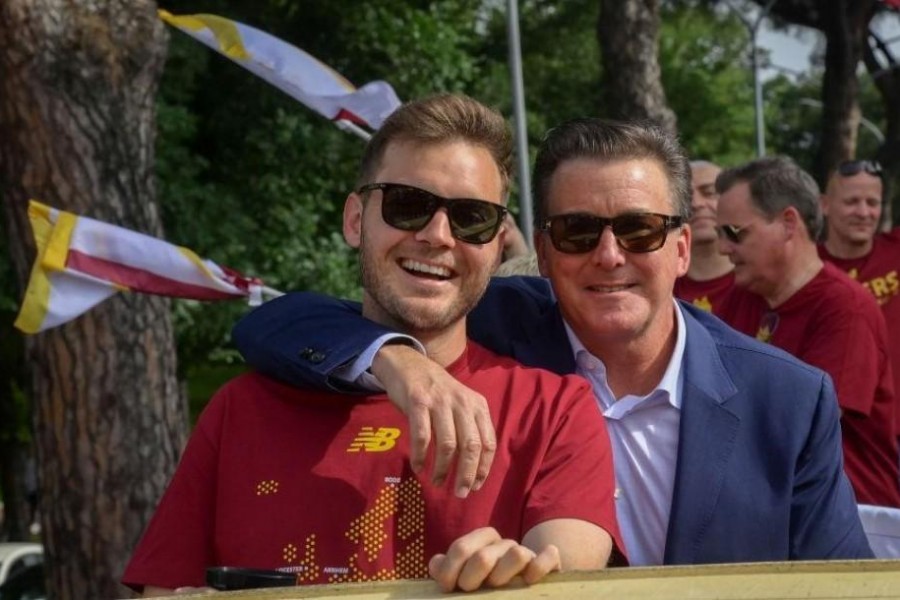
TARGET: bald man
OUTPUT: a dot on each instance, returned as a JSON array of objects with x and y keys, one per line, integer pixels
[{"x": 710, "y": 275}]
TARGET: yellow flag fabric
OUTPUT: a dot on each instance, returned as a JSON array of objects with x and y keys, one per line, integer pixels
[
  {"x": 290, "y": 69},
  {"x": 82, "y": 262}
]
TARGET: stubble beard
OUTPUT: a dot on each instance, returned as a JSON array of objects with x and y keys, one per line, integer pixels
[{"x": 384, "y": 304}]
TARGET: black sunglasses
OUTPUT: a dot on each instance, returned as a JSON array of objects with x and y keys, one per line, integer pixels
[
  {"x": 410, "y": 209},
  {"x": 733, "y": 233},
  {"x": 849, "y": 168},
  {"x": 577, "y": 233}
]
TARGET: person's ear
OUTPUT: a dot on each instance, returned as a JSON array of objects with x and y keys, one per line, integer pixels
[
  {"x": 353, "y": 219},
  {"x": 683, "y": 244},
  {"x": 793, "y": 222}
]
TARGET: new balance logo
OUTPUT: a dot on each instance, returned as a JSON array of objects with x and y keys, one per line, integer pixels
[{"x": 370, "y": 440}]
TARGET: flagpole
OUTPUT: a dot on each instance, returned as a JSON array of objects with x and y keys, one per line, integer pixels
[
  {"x": 353, "y": 128},
  {"x": 518, "y": 90}
]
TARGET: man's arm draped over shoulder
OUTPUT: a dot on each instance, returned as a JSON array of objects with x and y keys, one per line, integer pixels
[{"x": 304, "y": 339}]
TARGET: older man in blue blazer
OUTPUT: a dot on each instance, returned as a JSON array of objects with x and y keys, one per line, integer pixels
[{"x": 725, "y": 449}]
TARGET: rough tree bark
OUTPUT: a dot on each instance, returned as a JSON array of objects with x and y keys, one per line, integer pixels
[
  {"x": 845, "y": 24},
  {"x": 78, "y": 80},
  {"x": 628, "y": 33},
  {"x": 885, "y": 71},
  {"x": 846, "y": 27}
]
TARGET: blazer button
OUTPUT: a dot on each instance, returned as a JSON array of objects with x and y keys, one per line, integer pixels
[
  {"x": 306, "y": 353},
  {"x": 316, "y": 357}
]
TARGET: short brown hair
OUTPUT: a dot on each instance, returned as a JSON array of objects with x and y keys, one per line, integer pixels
[
  {"x": 441, "y": 119},
  {"x": 608, "y": 140}
]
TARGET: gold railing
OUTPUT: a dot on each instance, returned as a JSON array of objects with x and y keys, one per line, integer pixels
[{"x": 832, "y": 580}]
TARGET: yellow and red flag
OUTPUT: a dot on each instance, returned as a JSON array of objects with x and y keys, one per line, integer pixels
[
  {"x": 82, "y": 262},
  {"x": 291, "y": 70}
]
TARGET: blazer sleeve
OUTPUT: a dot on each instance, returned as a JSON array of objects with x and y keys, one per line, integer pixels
[
  {"x": 824, "y": 516},
  {"x": 301, "y": 338}
]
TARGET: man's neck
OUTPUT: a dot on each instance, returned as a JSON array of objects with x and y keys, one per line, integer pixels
[
  {"x": 443, "y": 346},
  {"x": 707, "y": 263},
  {"x": 801, "y": 271},
  {"x": 839, "y": 248}
]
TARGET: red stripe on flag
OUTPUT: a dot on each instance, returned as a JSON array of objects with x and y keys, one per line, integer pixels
[
  {"x": 346, "y": 115},
  {"x": 139, "y": 280}
]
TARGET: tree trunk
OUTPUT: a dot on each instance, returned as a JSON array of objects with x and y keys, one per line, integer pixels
[
  {"x": 628, "y": 33},
  {"x": 14, "y": 526},
  {"x": 885, "y": 71},
  {"x": 15, "y": 438},
  {"x": 78, "y": 80},
  {"x": 846, "y": 26}
]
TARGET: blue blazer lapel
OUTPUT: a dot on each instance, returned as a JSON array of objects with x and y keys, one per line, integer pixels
[{"x": 706, "y": 440}]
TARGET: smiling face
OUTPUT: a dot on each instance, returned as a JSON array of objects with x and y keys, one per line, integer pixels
[
  {"x": 759, "y": 256},
  {"x": 853, "y": 208},
  {"x": 704, "y": 203},
  {"x": 424, "y": 282},
  {"x": 608, "y": 294}
]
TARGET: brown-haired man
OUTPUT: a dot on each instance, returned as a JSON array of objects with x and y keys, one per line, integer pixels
[{"x": 310, "y": 483}]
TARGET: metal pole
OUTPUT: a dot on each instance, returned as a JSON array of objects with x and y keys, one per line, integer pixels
[
  {"x": 518, "y": 91},
  {"x": 757, "y": 83},
  {"x": 758, "y": 98},
  {"x": 753, "y": 28}
]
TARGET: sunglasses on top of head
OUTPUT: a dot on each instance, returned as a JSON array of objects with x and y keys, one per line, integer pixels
[
  {"x": 849, "y": 168},
  {"x": 409, "y": 208},
  {"x": 577, "y": 233}
]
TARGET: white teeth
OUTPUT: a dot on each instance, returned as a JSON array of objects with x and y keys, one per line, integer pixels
[{"x": 411, "y": 265}]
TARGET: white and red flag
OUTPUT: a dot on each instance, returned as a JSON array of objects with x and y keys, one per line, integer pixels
[
  {"x": 82, "y": 262},
  {"x": 291, "y": 70}
]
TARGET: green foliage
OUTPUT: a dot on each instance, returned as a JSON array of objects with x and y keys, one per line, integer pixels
[
  {"x": 424, "y": 50},
  {"x": 560, "y": 62},
  {"x": 794, "y": 118},
  {"x": 708, "y": 83},
  {"x": 254, "y": 180}
]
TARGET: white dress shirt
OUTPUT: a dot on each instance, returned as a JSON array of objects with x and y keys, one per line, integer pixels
[
  {"x": 643, "y": 431},
  {"x": 644, "y": 435}
]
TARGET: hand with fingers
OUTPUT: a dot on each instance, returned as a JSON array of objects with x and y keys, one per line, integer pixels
[
  {"x": 483, "y": 558},
  {"x": 441, "y": 412}
]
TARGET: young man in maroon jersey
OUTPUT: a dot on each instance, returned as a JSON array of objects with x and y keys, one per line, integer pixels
[{"x": 320, "y": 485}]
